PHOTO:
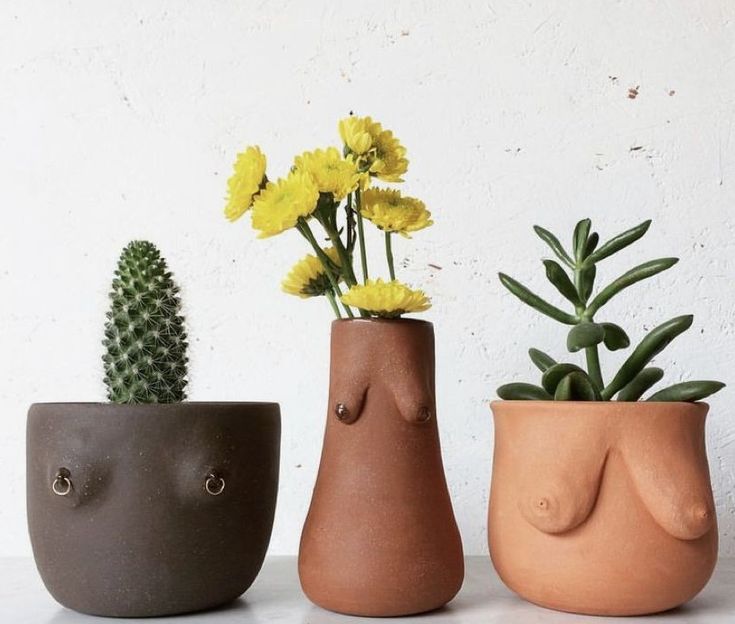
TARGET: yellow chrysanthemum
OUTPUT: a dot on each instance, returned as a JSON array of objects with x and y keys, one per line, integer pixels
[
  {"x": 357, "y": 133},
  {"x": 391, "y": 212},
  {"x": 331, "y": 172},
  {"x": 308, "y": 278},
  {"x": 245, "y": 182},
  {"x": 386, "y": 299},
  {"x": 376, "y": 150},
  {"x": 390, "y": 158},
  {"x": 279, "y": 206}
]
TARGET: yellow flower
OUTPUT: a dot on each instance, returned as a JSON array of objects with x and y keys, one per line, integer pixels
[
  {"x": 357, "y": 133},
  {"x": 245, "y": 182},
  {"x": 376, "y": 150},
  {"x": 279, "y": 206},
  {"x": 391, "y": 212},
  {"x": 308, "y": 278},
  {"x": 331, "y": 172},
  {"x": 390, "y": 158},
  {"x": 386, "y": 299}
]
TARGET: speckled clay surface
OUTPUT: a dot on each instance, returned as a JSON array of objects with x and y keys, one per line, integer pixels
[
  {"x": 380, "y": 538},
  {"x": 138, "y": 534},
  {"x": 602, "y": 508}
]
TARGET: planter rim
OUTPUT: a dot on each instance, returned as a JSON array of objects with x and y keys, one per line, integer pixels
[
  {"x": 382, "y": 320},
  {"x": 610, "y": 403},
  {"x": 158, "y": 406}
]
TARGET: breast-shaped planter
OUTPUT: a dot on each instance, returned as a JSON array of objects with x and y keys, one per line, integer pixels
[
  {"x": 380, "y": 538},
  {"x": 602, "y": 508},
  {"x": 144, "y": 510}
]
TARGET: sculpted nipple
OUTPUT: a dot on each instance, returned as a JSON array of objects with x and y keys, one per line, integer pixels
[
  {"x": 342, "y": 412},
  {"x": 558, "y": 507},
  {"x": 699, "y": 520},
  {"x": 345, "y": 414},
  {"x": 423, "y": 415},
  {"x": 545, "y": 513}
]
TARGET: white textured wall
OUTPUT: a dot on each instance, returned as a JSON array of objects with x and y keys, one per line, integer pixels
[{"x": 120, "y": 120}]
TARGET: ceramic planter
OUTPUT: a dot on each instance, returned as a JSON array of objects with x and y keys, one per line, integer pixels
[
  {"x": 380, "y": 538},
  {"x": 602, "y": 508},
  {"x": 142, "y": 510}
]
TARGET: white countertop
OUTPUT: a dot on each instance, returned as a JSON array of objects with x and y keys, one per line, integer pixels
[{"x": 276, "y": 597}]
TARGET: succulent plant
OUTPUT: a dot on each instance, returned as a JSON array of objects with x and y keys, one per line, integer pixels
[
  {"x": 145, "y": 340},
  {"x": 565, "y": 381}
]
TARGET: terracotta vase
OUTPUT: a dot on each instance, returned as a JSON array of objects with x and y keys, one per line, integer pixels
[
  {"x": 380, "y": 538},
  {"x": 602, "y": 508},
  {"x": 143, "y": 510}
]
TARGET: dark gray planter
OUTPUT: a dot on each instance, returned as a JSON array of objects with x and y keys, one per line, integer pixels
[{"x": 137, "y": 525}]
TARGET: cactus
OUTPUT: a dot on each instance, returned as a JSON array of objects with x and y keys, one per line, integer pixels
[
  {"x": 565, "y": 381},
  {"x": 145, "y": 340}
]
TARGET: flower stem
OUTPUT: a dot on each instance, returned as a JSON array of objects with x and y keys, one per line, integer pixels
[
  {"x": 333, "y": 303},
  {"x": 389, "y": 255},
  {"x": 344, "y": 257},
  {"x": 361, "y": 236},
  {"x": 350, "y": 220},
  {"x": 305, "y": 230}
]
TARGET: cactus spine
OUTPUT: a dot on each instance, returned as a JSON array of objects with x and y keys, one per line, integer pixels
[{"x": 145, "y": 340}]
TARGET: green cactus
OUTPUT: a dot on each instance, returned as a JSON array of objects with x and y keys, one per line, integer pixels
[
  {"x": 563, "y": 381},
  {"x": 145, "y": 340}
]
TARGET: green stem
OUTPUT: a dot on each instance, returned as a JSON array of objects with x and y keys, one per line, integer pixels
[
  {"x": 345, "y": 261},
  {"x": 350, "y": 220},
  {"x": 361, "y": 237},
  {"x": 593, "y": 366},
  {"x": 333, "y": 303},
  {"x": 344, "y": 257},
  {"x": 305, "y": 230},
  {"x": 328, "y": 220},
  {"x": 389, "y": 255},
  {"x": 591, "y": 354}
]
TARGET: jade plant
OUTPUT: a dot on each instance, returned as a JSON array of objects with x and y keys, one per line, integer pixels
[
  {"x": 145, "y": 340},
  {"x": 574, "y": 278}
]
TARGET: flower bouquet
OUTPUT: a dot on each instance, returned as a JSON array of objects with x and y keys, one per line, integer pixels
[{"x": 334, "y": 191}]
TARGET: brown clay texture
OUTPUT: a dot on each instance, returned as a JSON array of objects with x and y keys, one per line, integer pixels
[
  {"x": 380, "y": 538},
  {"x": 138, "y": 534},
  {"x": 602, "y": 508}
]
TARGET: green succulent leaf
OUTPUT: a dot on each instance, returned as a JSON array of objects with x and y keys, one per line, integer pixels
[
  {"x": 591, "y": 244},
  {"x": 655, "y": 342},
  {"x": 587, "y": 281},
  {"x": 584, "y": 335},
  {"x": 541, "y": 359},
  {"x": 523, "y": 392},
  {"x": 576, "y": 386},
  {"x": 641, "y": 272},
  {"x": 640, "y": 383},
  {"x": 536, "y": 302},
  {"x": 553, "y": 242},
  {"x": 559, "y": 278},
  {"x": 615, "y": 337},
  {"x": 554, "y": 374},
  {"x": 687, "y": 391},
  {"x": 619, "y": 242},
  {"x": 579, "y": 239}
]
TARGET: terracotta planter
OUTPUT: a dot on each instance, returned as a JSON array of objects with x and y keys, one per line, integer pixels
[
  {"x": 602, "y": 508},
  {"x": 380, "y": 538},
  {"x": 141, "y": 510}
]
